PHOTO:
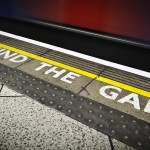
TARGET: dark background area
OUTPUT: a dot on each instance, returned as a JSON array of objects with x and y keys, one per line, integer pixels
[
  {"x": 119, "y": 17},
  {"x": 121, "y": 53},
  {"x": 122, "y": 19}
]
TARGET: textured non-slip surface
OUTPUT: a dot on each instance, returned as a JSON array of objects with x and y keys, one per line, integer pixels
[
  {"x": 32, "y": 48},
  {"x": 75, "y": 62},
  {"x": 3, "y": 38},
  {"x": 127, "y": 78},
  {"x": 109, "y": 72}
]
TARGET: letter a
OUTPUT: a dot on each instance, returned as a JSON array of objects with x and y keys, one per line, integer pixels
[{"x": 132, "y": 99}]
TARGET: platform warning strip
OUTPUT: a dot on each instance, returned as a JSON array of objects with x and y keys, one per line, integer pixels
[
  {"x": 124, "y": 127},
  {"x": 79, "y": 71},
  {"x": 119, "y": 125}
]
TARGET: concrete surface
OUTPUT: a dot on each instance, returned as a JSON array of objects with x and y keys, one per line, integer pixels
[
  {"x": 92, "y": 92},
  {"x": 77, "y": 84},
  {"x": 11, "y": 64},
  {"x": 26, "y": 124}
]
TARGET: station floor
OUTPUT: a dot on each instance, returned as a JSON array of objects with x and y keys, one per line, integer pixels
[
  {"x": 27, "y": 124},
  {"x": 51, "y": 99}
]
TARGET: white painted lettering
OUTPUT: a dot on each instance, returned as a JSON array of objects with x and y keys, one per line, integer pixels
[
  {"x": 57, "y": 73},
  {"x": 18, "y": 59},
  {"x": 147, "y": 107},
  {"x": 2, "y": 49},
  {"x": 132, "y": 99},
  {"x": 70, "y": 75},
  {"x": 7, "y": 54},
  {"x": 43, "y": 65},
  {"x": 112, "y": 95}
]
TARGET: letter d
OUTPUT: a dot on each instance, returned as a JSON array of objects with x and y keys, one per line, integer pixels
[{"x": 18, "y": 59}]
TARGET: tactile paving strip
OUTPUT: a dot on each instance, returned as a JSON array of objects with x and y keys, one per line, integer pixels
[
  {"x": 127, "y": 78},
  {"x": 75, "y": 62},
  {"x": 3, "y": 38},
  {"x": 28, "y": 47},
  {"x": 121, "y": 126},
  {"x": 54, "y": 55},
  {"x": 110, "y": 73}
]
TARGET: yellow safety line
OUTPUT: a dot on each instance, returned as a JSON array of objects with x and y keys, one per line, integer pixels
[
  {"x": 125, "y": 86},
  {"x": 79, "y": 71}
]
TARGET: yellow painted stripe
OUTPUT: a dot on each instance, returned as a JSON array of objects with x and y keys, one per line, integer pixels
[
  {"x": 85, "y": 73},
  {"x": 125, "y": 86},
  {"x": 79, "y": 71}
]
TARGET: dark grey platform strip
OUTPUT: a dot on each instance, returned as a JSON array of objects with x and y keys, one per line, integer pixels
[
  {"x": 127, "y": 78},
  {"x": 3, "y": 38},
  {"x": 121, "y": 126},
  {"x": 54, "y": 55},
  {"x": 111, "y": 73},
  {"x": 28, "y": 47},
  {"x": 75, "y": 62}
]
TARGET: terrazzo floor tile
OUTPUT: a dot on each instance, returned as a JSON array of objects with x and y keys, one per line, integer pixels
[
  {"x": 28, "y": 125},
  {"x": 25, "y": 124},
  {"x": 5, "y": 91},
  {"x": 120, "y": 146}
]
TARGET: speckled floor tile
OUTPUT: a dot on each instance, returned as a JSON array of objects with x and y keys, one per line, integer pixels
[
  {"x": 121, "y": 146},
  {"x": 28, "y": 125},
  {"x": 4, "y": 91}
]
